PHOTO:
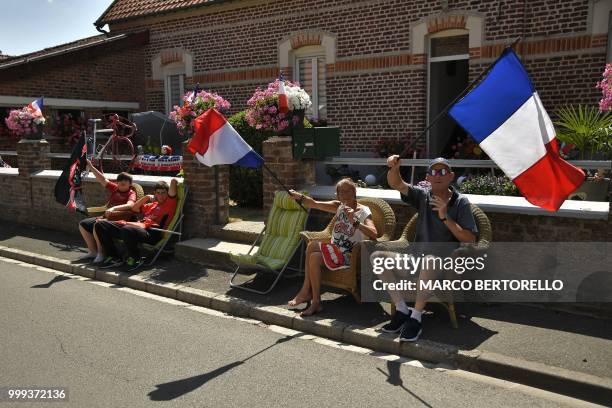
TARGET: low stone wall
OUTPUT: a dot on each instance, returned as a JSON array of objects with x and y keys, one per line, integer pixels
[
  {"x": 514, "y": 221},
  {"x": 27, "y": 192},
  {"x": 35, "y": 204},
  {"x": 512, "y": 227}
]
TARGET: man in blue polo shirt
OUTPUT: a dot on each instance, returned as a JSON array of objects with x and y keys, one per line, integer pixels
[{"x": 445, "y": 216}]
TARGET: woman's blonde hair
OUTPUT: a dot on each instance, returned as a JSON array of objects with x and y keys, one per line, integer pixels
[{"x": 347, "y": 182}]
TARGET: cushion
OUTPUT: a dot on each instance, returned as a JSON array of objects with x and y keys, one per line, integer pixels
[{"x": 285, "y": 222}]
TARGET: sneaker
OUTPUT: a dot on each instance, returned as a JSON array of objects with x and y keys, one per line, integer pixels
[
  {"x": 137, "y": 264},
  {"x": 130, "y": 262},
  {"x": 111, "y": 262},
  {"x": 87, "y": 257},
  {"x": 411, "y": 331},
  {"x": 98, "y": 259},
  {"x": 396, "y": 323}
]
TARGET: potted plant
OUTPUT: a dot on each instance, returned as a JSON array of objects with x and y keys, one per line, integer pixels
[
  {"x": 263, "y": 111},
  {"x": 587, "y": 129},
  {"x": 26, "y": 123},
  {"x": 195, "y": 105}
]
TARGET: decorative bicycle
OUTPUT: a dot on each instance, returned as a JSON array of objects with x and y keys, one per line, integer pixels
[{"x": 117, "y": 154}]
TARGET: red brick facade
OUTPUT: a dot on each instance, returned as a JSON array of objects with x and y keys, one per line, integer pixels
[
  {"x": 376, "y": 87},
  {"x": 376, "y": 84},
  {"x": 112, "y": 72}
]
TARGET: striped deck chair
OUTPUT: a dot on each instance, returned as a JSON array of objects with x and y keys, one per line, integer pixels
[
  {"x": 175, "y": 224},
  {"x": 281, "y": 239}
]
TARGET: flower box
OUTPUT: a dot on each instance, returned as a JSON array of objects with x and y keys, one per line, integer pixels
[{"x": 316, "y": 143}]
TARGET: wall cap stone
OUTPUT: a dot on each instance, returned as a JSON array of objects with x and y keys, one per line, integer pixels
[
  {"x": 148, "y": 181},
  {"x": 9, "y": 171},
  {"x": 597, "y": 210}
]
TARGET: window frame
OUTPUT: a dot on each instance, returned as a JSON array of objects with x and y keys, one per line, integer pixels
[
  {"x": 313, "y": 53},
  {"x": 170, "y": 71}
]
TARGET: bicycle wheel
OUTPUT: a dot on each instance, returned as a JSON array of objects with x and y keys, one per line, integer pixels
[{"x": 119, "y": 155}]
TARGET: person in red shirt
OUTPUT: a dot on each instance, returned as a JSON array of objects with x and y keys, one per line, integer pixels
[
  {"x": 121, "y": 193},
  {"x": 156, "y": 210}
]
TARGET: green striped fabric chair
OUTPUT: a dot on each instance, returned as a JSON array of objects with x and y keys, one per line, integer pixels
[{"x": 281, "y": 238}]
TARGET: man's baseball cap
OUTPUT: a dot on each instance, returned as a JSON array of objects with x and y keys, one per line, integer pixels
[{"x": 440, "y": 160}]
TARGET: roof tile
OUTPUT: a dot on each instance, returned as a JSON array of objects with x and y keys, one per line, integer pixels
[{"x": 127, "y": 9}]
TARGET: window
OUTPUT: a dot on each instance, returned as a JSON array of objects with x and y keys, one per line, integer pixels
[
  {"x": 310, "y": 72},
  {"x": 174, "y": 85}
]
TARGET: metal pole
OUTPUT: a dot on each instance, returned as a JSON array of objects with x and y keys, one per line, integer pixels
[
  {"x": 281, "y": 183},
  {"x": 445, "y": 110},
  {"x": 216, "y": 195}
]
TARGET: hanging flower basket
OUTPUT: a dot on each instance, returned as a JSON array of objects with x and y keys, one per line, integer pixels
[
  {"x": 25, "y": 123},
  {"x": 192, "y": 107},
  {"x": 263, "y": 108}
]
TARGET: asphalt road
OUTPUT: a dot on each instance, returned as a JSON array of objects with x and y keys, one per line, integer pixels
[{"x": 114, "y": 347}]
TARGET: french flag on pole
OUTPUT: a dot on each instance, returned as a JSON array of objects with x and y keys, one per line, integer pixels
[
  {"x": 36, "y": 106},
  {"x": 215, "y": 141},
  {"x": 505, "y": 116},
  {"x": 283, "y": 102}
]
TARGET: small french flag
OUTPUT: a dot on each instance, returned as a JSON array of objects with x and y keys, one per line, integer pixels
[
  {"x": 283, "y": 102},
  {"x": 36, "y": 106},
  {"x": 215, "y": 142}
]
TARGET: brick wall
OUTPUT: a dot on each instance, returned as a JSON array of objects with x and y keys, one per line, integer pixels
[
  {"x": 376, "y": 88},
  {"x": 112, "y": 72},
  {"x": 109, "y": 73},
  {"x": 32, "y": 201}
]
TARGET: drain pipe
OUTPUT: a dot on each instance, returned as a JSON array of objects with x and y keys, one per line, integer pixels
[{"x": 99, "y": 28}]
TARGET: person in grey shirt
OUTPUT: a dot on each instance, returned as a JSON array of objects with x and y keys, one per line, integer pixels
[{"x": 445, "y": 220}]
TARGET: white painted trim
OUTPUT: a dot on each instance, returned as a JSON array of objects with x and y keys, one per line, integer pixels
[
  {"x": 474, "y": 25},
  {"x": 146, "y": 181},
  {"x": 600, "y": 15},
  {"x": 596, "y": 210},
  {"x": 9, "y": 171},
  {"x": 159, "y": 71},
  {"x": 167, "y": 91},
  {"x": 9, "y": 100},
  {"x": 285, "y": 51},
  {"x": 450, "y": 58},
  {"x": 314, "y": 56}
]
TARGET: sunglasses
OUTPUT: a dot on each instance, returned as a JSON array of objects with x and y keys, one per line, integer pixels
[{"x": 438, "y": 172}]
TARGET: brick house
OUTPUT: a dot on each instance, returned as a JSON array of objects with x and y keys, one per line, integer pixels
[{"x": 375, "y": 68}]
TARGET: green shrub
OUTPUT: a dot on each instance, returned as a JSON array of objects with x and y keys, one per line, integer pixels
[
  {"x": 489, "y": 185},
  {"x": 246, "y": 184}
]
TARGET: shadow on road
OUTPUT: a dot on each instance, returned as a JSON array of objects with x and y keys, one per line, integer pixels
[
  {"x": 174, "y": 389},
  {"x": 56, "y": 279},
  {"x": 394, "y": 378}
]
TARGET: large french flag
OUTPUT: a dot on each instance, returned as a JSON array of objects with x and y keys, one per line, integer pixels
[
  {"x": 215, "y": 141},
  {"x": 505, "y": 116}
]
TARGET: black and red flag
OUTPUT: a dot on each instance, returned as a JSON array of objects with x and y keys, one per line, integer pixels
[{"x": 68, "y": 187}]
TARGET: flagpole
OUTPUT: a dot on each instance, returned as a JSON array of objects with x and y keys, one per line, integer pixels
[
  {"x": 445, "y": 110},
  {"x": 281, "y": 183}
]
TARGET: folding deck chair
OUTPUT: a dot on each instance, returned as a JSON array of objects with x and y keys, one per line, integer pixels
[
  {"x": 175, "y": 223},
  {"x": 279, "y": 241}
]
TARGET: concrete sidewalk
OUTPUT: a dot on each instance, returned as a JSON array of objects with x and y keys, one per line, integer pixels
[{"x": 498, "y": 337}]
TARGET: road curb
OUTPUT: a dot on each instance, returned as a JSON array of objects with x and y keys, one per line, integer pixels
[{"x": 578, "y": 385}]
